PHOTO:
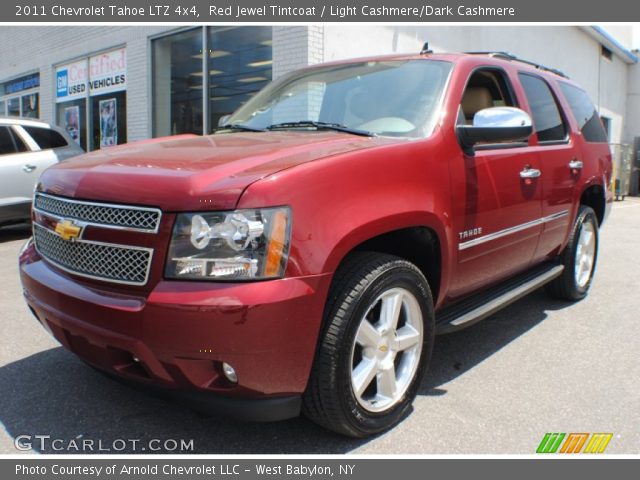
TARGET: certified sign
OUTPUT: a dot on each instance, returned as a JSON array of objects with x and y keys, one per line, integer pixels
[
  {"x": 97, "y": 75},
  {"x": 108, "y": 72},
  {"x": 71, "y": 81}
]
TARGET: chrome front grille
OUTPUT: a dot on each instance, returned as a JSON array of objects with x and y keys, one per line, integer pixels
[
  {"x": 105, "y": 215},
  {"x": 101, "y": 261}
]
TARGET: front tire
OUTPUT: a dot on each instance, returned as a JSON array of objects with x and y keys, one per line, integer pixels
[
  {"x": 579, "y": 258},
  {"x": 375, "y": 346}
]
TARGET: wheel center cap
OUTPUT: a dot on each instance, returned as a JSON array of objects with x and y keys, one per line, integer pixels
[{"x": 384, "y": 348}]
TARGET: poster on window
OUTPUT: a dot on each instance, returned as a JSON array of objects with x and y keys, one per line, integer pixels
[
  {"x": 108, "y": 123},
  {"x": 72, "y": 122}
]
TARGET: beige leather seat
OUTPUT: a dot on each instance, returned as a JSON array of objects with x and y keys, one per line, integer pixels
[{"x": 474, "y": 100}]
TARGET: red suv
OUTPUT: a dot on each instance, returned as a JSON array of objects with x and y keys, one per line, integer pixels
[{"x": 304, "y": 255}]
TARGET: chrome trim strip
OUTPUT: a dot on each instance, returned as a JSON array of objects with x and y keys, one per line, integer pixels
[
  {"x": 493, "y": 306},
  {"x": 98, "y": 204},
  {"x": 93, "y": 277},
  {"x": 510, "y": 230}
]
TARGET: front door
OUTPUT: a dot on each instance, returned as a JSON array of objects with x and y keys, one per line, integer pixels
[{"x": 497, "y": 196}]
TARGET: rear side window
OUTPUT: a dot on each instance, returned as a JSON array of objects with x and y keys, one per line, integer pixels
[
  {"x": 46, "y": 138},
  {"x": 10, "y": 143},
  {"x": 584, "y": 113},
  {"x": 546, "y": 115},
  {"x": 6, "y": 142}
]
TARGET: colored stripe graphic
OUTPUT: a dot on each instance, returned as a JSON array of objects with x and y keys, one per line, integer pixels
[
  {"x": 598, "y": 442},
  {"x": 574, "y": 443},
  {"x": 550, "y": 443}
]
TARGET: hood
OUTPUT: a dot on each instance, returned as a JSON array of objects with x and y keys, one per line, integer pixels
[{"x": 189, "y": 172}]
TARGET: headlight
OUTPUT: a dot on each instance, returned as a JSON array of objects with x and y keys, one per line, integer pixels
[{"x": 239, "y": 245}]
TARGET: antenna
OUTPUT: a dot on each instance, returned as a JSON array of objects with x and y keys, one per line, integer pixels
[{"x": 425, "y": 49}]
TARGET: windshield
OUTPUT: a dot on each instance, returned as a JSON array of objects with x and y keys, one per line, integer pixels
[{"x": 392, "y": 98}]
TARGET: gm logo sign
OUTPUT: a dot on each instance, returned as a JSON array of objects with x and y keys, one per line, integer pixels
[
  {"x": 574, "y": 442},
  {"x": 62, "y": 82}
]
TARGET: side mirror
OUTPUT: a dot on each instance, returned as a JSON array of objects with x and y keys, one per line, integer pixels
[
  {"x": 223, "y": 120},
  {"x": 495, "y": 125}
]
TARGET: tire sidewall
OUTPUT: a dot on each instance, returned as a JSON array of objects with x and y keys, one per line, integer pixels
[{"x": 398, "y": 275}]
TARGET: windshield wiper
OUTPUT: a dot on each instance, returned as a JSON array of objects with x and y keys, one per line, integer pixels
[
  {"x": 238, "y": 126},
  {"x": 321, "y": 126}
]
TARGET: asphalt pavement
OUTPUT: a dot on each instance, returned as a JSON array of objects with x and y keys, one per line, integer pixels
[{"x": 538, "y": 366}]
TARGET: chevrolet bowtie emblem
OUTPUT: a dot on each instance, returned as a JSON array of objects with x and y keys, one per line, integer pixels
[{"x": 68, "y": 230}]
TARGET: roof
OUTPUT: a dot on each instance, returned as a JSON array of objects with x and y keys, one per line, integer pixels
[
  {"x": 26, "y": 122},
  {"x": 493, "y": 57}
]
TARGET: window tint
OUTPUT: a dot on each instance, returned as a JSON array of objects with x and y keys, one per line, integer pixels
[
  {"x": 10, "y": 143},
  {"x": 584, "y": 113},
  {"x": 19, "y": 143},
  {"x": 6, "y": 141},
  {"x": 546, "y": 116},
  {"x": 46, "y": 138}
]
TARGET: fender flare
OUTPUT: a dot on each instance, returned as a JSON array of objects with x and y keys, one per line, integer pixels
[{"x": 388, "y": 224}]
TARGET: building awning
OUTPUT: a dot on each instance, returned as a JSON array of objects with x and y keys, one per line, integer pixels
[{"x": 609, "y": 41}]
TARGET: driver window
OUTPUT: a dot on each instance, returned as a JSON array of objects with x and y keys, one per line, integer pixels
[{"x": 486, "y": 88}]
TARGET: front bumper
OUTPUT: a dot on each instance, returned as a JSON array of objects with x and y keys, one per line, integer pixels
[{"x": 176, "y": 337}]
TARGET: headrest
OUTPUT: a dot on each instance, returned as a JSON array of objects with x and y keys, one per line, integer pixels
[{"x": 475, "y": 99}]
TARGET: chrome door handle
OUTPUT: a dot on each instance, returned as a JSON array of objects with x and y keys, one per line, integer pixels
[
  {"x": 530, "y": 173},
  {"x": 28, "y": 168},
  {"x": 575, "y": 164}
]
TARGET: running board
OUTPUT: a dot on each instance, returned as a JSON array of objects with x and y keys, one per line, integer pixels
[{"x": 478, "y": 307}]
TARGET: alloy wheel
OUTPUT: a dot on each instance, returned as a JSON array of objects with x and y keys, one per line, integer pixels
[
  {"x": 585, "y": 254},
  {"x": 386, "y": 350}
]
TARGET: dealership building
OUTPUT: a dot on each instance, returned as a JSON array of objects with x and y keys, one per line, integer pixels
[{"x": 151, "y": 81}]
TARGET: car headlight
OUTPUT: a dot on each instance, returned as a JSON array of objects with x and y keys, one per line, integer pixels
[{"x": 238, "y": 245}]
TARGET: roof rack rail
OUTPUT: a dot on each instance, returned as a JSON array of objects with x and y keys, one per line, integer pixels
[{"x": 513, "y": 58}]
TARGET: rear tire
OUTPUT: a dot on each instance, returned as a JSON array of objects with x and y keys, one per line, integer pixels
[
  {"x": 374, "y": 348},
  {"x": 579, "y": 258}
]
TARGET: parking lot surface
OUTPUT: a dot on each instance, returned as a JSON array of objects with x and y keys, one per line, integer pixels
[{"x": 538, "y": 366}]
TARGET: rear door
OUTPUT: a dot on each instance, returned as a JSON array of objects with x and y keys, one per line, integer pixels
[
  {"x": 592, "y": 139},
  {"x": 21, "y": 163},
  {"x": 42, "y": 142},
  {"x": 16, "y": 185},
  {"x": 556, "y": 151}
]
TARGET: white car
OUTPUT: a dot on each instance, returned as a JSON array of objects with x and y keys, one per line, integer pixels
[{"x": 27, "y": 148}]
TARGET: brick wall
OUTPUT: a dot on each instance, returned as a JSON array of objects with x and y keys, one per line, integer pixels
[{"x": 296, "y": 47}]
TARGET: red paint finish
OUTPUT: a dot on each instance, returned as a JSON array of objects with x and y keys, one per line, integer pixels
[
  {"x": 183, "y": 330},
  {"x": 342, "y": 190}
]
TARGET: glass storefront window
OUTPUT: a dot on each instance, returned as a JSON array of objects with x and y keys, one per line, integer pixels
[
  {"x": 71, "y": 116},
  {"x": 13, "y": 107},
  {"x": 236, "y": 62},
  {"x": 30, "y": 105},
  {"x": 177, "y": 84},
  {"x": 240, "y": 64},
  {"x": 19, "y": 97},
  {"x": 109, "y": 119},
  {"x": 91, "y": 97}
]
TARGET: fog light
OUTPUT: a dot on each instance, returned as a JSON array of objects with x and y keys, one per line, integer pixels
[{"x": 229, "y": 372}]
